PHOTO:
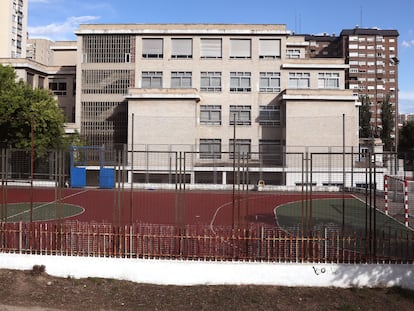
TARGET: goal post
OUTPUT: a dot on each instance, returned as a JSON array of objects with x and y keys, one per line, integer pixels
[{"x": 396, "y": 197}]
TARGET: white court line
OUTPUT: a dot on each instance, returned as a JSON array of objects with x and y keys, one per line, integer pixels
[
  {"x": 213, "y": 219},
  {"x": 45, "y": 204}
]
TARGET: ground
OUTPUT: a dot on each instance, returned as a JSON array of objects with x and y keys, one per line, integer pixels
[{"x": 36, "y": 290}]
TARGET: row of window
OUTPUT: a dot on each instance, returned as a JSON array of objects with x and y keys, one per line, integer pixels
[
  {"x": 211, "y": 148},
  {"x": 369, "y": 39},
  {"x": 210, "y": 48},
  {"x": 240, "y": 81},
  {"x": 240, "y": 115}
]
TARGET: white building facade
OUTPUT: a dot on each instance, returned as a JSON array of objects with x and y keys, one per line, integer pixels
[{"x": 13, "y": 22}]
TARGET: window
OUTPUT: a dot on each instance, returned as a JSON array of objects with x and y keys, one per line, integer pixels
[
  {"x": 299, "y": 80},
  {"x": 269, "y": 82},
  {"x": 242, "y": 115},
  {"x": 181, "y": 79},
  {"x": 106, "y": 81},
  {"x": 210, "y": 114},
  {"x": 151, "y": 79},
  {"x": 292, "y": 53},
  {"x": 210, "y": 48},
  {"x": 270, "y": 151},
  {"x": 108, "y": 48},
  {"x": 210, "y": 148},
  {"x": 58, "y": 88},
  {"x": 182, "y": 48},
  {"x": 240, "y": 82},
  {"x": 240, "y": 48},
  {"x": 210, "y": 81},
  {"x": 269, "y": 48},
  {"x": 152, "y": 48},
  {"x": 242, "y": 148},
  {"x": 328, "y": 80},
  {"x": 269, "y": 115}
]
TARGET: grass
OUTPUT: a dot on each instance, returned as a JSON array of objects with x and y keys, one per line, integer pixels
[
  {"x": 331, "y": 213},
  {"x": 16, "y": 212}
]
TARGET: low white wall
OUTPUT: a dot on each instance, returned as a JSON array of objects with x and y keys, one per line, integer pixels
[{"x": 166, "y": 272}]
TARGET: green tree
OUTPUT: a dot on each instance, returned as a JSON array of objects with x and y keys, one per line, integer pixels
[
  {"x": 406, "y": 145},
  {"x": 365, "y": 117},
  {"x": 23, "y": 109},
  {"x": 387, "y": 122},
  {"x": 406, "y": 137}
]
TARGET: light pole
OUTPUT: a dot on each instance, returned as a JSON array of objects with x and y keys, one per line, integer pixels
[{"x": 31, "y": 166}]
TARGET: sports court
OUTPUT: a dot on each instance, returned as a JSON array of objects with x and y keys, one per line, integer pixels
[{"x": 213, "y": 208}]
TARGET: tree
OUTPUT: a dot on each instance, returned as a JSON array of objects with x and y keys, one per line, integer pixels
[
  {"x": 23, "y": 109},
  {"x": 365, "y": 117},
  {"x": 406, "y": 145},
  {"x": 387, "y": 122},
  {"x": 406, "y": 137}
]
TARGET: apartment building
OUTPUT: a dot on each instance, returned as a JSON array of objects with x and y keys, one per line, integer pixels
[
  {"x": 372, "y": 55},
  {"x": 13, "y": 22},
  {"x": 195, "y": 85}
]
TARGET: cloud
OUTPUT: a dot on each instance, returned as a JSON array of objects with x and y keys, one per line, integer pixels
[
  {"x": 60, "y": 31},
  {"x": 407, "y": 44}
]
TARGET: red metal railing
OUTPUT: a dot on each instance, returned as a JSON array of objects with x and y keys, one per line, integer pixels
[{"x": 199, "y": 243}]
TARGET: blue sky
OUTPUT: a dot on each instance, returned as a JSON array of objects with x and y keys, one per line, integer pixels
[{"x": 57, "y": 19}]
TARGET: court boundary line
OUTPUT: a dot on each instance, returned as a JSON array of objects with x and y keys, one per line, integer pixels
[{"x": 49, "y": 203}]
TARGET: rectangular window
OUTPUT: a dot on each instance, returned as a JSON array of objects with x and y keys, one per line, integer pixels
[
  {"x": 210, "y": 82},
  {"x": 269, "y": 48},
  {"x": 181, "y": 79},
  {"x": 181, "y": 48},
  {"x": 240, "y": 82},
  {"x": 58, "y": 88},
  {"x": 151, "y": 79},
  {"x": 242, "y": 147},
  {"x": 271, "y": 152},
  {"x": 299, "y": 80},
  {"x": 293, "y": 53},
  {"x": 210, "y": 114},
  {"x": 210, "y": 148},
  {"x": 240, "y": 48},
  {"x": 152, "y": 48},
  {"x": 210, "y": 48},
  {"x": 269, "y": 82},
  {"x": 240, "y": 114},
  {"x": 269, "y": 115},
  {"x": 108, "y": 48},
  {"x": 328, "y": 80},
  {"x": 106, "y": 81}
]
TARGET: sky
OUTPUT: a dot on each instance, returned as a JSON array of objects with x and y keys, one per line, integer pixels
[{"x": 58, "y": 19}]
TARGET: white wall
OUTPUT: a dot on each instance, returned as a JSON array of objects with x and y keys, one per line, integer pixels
[{"x": 166, "y": 272}]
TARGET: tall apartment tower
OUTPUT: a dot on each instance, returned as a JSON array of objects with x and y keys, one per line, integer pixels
[
  {"x": 372, "y": 55},
  {"x": 13, "y": 22}
]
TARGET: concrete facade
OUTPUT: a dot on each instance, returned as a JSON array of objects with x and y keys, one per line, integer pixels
[
  {"x": 253, "y": 82},
  {"x": 50, "y": 65}
]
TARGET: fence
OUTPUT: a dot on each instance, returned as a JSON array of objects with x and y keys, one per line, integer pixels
[
  {"x": 197, "y": 243},
  {"x": 205, "y": 205}
]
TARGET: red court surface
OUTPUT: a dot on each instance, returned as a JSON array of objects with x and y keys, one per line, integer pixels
[{"x": 162, "y": 207}]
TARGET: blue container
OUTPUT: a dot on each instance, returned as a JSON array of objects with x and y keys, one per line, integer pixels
[
  {"x": 77, "y": 177},
  {"x": 106, "y": 178}
]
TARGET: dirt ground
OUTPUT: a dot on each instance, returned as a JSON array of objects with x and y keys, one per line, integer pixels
[{"x": 36, "y": 290}]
